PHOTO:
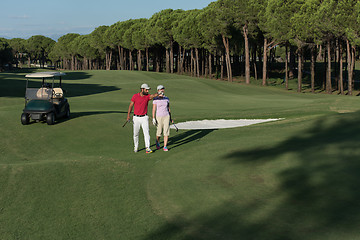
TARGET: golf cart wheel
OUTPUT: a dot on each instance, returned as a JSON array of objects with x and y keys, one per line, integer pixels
[
  {"x": 50, "y": 119},
  {"x": 67, "y": 115},
  {"x": 25, "y": 118}
]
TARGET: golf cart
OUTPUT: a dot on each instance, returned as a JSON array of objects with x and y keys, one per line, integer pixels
[{"x": 46, "y": 103}]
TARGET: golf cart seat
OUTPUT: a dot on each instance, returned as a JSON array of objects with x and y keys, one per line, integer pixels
[
  {"x": 57, "y": 93},
  {"x": 57, "y": 96},
  {"x": 43, "y": 93}
]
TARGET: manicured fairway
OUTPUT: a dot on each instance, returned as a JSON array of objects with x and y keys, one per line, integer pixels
[{"x": 297, "y": 178}]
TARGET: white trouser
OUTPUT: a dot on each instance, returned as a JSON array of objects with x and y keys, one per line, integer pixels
[{"x": 142, "y": 122}]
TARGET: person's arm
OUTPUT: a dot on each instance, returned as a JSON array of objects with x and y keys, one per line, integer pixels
[
  {"x": 153, "y": 110},
  {"x": 171, "y": 120},
  {"x": 153, "y": 114},
  {"x": 130, "y": 109},
  {"x": 152, "y": 96}
]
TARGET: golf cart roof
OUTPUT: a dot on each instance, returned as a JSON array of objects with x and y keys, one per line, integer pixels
[{"x": 44, "y": 75}]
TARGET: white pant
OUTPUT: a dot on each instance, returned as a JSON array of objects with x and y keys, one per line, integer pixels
[{"x": 142, "y": 122}]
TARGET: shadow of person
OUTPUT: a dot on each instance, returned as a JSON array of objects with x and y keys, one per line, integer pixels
[
  {"x": 185, "y": 138},
  {"x": 188, "y": 137}
]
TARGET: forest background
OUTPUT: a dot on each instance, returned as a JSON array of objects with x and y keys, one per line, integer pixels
[{"x": 236, "y": 40}]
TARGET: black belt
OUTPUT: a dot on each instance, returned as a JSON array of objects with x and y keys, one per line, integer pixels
[{"x": 140, "y": 115}]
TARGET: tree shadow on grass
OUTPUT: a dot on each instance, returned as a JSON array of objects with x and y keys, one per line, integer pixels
[
  {"x": 12, "y": 86},
  {"x": 73, "y": 76},
  {"x": 74, "y": 115},
  {"x": 90, "y": 113},
  {"x": 324, "y": 182},
  {"x": 316, "y": 195}
]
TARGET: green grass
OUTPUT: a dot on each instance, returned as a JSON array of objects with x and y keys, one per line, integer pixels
[{"x": 293, "y": 179}]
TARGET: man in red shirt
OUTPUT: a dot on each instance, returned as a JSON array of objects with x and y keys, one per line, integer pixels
[{"x": 140, "y": 103}]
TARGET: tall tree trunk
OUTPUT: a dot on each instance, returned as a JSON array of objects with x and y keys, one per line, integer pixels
[
  {"x": 139, "y": 61},
  {"x": 125, "y": 60},
  {"x": 313, "y": 59},
  {"x": 349, "y": 67},
  {"x": 158, "y": 59},
  {"x": 86, "y": 64},
  {"x": 353, "y": 65},
  {"x": 192, "y": 67},
  {"x": 299, "y": 69},
  {"x": 186, "y": 62},
  {"x": 326, "y": 72},
  {"x": 264, "y": 76},
  {"x": 247, "y": 54},
  {"x": 319, "y": 57},
  {"x": 119, "y": 60},
  {"x": 131, "y": 61},
  {"x": 109, "y": 60},
  {"x": 210, "y": 65},
  {"x": 287, "y": 57},
  {"x": 167, "y": 61},
  {"x": 253, "y": 60},
  {"x": 328, "y": 75},
  {"x": 76, "y": 63},
  {"x": 171, "y": 56},
  {"x": 121, "y": 57},
  {"x": 216, "y": 62},
  {"x": 255, "y": 71},
  {"x": 222, "y": 67},
  {"x": 197, "y": 62},
  {"x": 341, "y": 78},
  {"x": 183, "y": 60},
  {"x": 106, "y": 61},
  {"x": 179, "y": 61},
  {"x": 203, "y": 69},
  {"x": 147, "y": 59},
  {"x": 227, "y": 57},
  {"x": 292, "y": 62},
  {"x": 205, "y": 62},
  {"x": 72, "y": 63},
  {"x": 337, "y": 53}
]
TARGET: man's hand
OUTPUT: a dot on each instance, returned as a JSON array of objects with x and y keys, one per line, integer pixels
[
  {"x": 154, "y": 122},
  {"x": 152, "y": 96},
  {"x": 129, "y": 110}
]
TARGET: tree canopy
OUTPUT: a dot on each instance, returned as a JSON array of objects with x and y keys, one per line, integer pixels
[{"x": 227, "y": 35}]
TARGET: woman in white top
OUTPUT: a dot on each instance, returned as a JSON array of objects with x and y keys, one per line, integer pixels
[{"x": 161, "y": 105}]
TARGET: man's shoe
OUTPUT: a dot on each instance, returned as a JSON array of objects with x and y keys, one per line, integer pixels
[
  {"x": 148, "y": 150},
  {"x": 135, "y": 150},
  {"x": 165, "y": 149},
  {"x": 157, "y": 145}
]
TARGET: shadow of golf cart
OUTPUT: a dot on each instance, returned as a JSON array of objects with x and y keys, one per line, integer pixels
[{"x": 46, "y": 103}]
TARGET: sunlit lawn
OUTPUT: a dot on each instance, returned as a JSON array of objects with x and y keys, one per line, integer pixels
[{"x": 296, "y": 178}]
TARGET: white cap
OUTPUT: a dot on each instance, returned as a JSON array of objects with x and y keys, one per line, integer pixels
[
  {"x": 144, "y": 85},
  {"x": 160, "y": 87}
]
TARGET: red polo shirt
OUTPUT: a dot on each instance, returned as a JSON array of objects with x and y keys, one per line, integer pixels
[{"x": 140, "y": 103}]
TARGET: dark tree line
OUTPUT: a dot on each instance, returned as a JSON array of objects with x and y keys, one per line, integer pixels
[{"x": 225, "y": 39}]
